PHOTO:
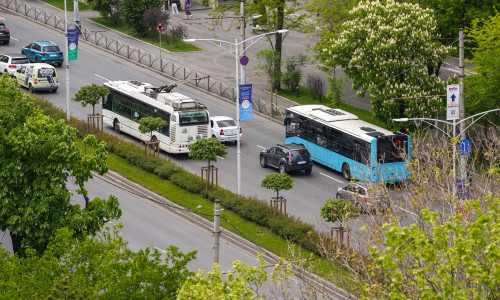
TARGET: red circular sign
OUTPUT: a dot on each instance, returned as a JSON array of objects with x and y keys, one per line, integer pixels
[{"x": 244, "y": 60}]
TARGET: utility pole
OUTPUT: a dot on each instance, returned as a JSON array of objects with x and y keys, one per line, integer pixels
[
  {"x": 243, "y": 25},
  {"x": 216, "y": 233},
  {"x": 463, "y": 136}
]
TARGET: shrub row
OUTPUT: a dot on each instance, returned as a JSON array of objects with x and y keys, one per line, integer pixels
[{"x": 251, "y": 209}]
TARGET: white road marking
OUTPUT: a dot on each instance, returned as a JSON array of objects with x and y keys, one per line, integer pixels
[
  {"x": 14, "y": 39},
  {"x": 161, "y": 250},
  {"x": 102, "y": 77},
  {"x": 219, "y": 157},
  {"x": 261, "y": 147},
  {"x": 330, "y": 177}
]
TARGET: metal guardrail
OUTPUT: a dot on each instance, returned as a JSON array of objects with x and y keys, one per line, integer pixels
[{"x": 137, "y": 55}]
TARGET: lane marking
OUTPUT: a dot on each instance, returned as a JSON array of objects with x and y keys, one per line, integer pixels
[
  {"x": 102, "y": 77},
  {"x": 330, "y": 177},
  {"x": 14, "y": 39},
  {"x": 160, "y": 250},
  {"x": 219, "y": 157},
  {"x": 261, "y": 147}
]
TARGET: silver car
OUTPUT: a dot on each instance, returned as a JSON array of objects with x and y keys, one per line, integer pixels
[
  {"x": 224, "y": 129},
  {"x": 365, "y": 196},
  {"x": 10, "y": 63}
]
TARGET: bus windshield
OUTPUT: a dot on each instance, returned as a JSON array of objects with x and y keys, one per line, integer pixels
[
  {"x": 392, "y": 148},
  {"x": 193, "y": 117}
]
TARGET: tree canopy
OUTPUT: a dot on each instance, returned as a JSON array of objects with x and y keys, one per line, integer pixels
[
  {"x": 90, "y": 94},
  {"x": 149, "y": 124},
  {"x": 38, "y": 156},
  {"x": 389, "y": 50},
  {"x": 207, "y": 149},
  {"x": 277, "y": 182},
  {"x": 100, "y": 266}
]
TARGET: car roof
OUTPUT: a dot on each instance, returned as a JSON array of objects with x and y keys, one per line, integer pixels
[
  {"x": 292, "y": 146},
  {"x": 40, "y": 65},
  {"x": 218, "y": 118},
  {"x": 46, "y": 43},
  {"x": 17, "y": 55}
]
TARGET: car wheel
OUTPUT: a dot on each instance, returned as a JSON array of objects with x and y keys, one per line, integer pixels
[
  {"x": 308, "y": 171},
  {"x": 214, "y": 137},
  {"x": 37, "y": 60},
  {"x": 59, "y": 64},
  {"x": 54, "y": 90},
  {"x": 263, "y": 162},
  {"x": 346, "y": 171},
  {"x": 7, "y": 42},
  {"x": 4, "y": 71},
  {"x": 282, "y": 169},
  {"x": 116, "y": 126},
  {"x": 31, "y": 89},
  {"x": 22, "y": 52}
]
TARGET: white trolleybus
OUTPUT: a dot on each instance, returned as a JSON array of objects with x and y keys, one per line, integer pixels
[
  {"x": 339, "y": 140},
  {"x": 129, "y": 101}
]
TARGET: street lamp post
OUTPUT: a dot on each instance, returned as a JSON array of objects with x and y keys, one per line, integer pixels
[
  {"x": 453, "y": 136},
  {"x": 236, "y": 45}
]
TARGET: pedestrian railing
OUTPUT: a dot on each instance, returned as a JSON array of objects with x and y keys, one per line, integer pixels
[{"x": 137, "y": 55}]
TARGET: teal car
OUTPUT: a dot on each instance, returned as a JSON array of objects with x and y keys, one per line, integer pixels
[{"x": 44, "y": 52}]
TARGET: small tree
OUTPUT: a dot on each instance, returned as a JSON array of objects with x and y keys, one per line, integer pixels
[
  {"x": 91, "y": 94},
  {"x": 293, "y": 74},
  {"x": 152, "y": 16},
  {"x": 149, "y": 124},
  {"x": 340, "y": 210},
  {"x": 178, "y": 32},
  {"x": 316, "y": 85},
  {"x": 277, "y": 182},
  {"x": 107, "y": 8},
  {"x": 207, "y": 149},
  {"x": 267, "y": 60}
]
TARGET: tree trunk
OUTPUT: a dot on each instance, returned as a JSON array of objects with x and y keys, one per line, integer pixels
[
  {"x": 16, "y": 242},
  {"x": 86, "y": 197}
]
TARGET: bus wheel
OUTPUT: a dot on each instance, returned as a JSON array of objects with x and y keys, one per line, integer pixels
[
  {"x": 116, "y": 126},
  {"x": 346, "y": 171},
  {"x": 263, "y": 161}
]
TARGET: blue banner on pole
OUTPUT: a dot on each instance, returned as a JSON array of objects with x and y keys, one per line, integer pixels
[
  {"x": 245, "y": 102},
  {"x": 72, "y": 44}
]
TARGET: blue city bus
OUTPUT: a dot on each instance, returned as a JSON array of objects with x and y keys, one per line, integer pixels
[{"x": 339, "y": 140}]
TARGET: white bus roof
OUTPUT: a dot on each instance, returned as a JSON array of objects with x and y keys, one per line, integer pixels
[
  {"x": 341, "y": 120},
  {"x": 145, "y": 92}
]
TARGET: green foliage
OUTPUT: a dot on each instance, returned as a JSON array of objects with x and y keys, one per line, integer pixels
[
  {"x": 187, "y": 181},
  {"x": 277, "y": 182},
  {"x": 389, "y": 49},
  {"x": 482, "y": 83},
  {"x": 149, "y": 124},
  {"x": 244, "y": 283},
  {"x": 107, "y": 8},
  {"x": 339, "y": 210},
  {"x": 133, "y": 11},
  {"x": 37, "y": 157},
  {"x": 207, "y": 149},
  {"x": 268, "y": 61},
  {"x": 167, "y": 169},
  {"x": 293, "y": 74},
  {"x": 101, "y": 266},
  {"x": 152, "y": 16},
  {"x": 90, "y": 94},
  {"x": 459, "y": 259}
]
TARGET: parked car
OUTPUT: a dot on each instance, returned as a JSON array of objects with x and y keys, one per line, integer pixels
[
  {"x": 287, "y": 158},
  {"x": 38, "y": 77},
  {"x": 44, "y": 52},
  {"x": 365, "y": 196},
  {"x": 4, "y": 33},
  {"x": 11, "y": 62},
  {"x": 224, "y": 129}
]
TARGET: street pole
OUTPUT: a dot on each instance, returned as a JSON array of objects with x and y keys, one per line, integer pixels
[
  {"x": 238, "y": 152},
  {"x": 463, "y": 134},
  {"x": 242, "y": 29},
  {"x": 161, "y": 69},
  {"x": 454, "y": 162},
  {"x": 67, "y": 59},
  {"x": 216, "y": 233},
  {"x": 76, "y": 10}
]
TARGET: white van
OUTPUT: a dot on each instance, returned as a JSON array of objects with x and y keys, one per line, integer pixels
[{"x": 38, "y": 77}]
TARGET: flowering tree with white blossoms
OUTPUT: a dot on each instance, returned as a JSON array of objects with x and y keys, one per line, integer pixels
[{"x": 391, "y": 50}]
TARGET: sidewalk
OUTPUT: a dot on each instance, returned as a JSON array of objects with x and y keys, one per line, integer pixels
[{"x": 214, "y": 61}]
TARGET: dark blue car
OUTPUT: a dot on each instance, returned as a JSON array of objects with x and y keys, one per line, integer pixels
[{"x": 44, "y": 52}]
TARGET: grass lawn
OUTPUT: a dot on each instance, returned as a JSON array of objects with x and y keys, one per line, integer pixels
[
  {"x": 259, "y": 235},
  {"x": 167, "y": 42},
  {"x": 69, "y": 4}
]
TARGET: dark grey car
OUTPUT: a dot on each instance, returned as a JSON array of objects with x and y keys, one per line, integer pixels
[
  {"x": 367, "y": 197},
  {"x": 287, "y": 158},
  {"x": 4, "y": 33}
]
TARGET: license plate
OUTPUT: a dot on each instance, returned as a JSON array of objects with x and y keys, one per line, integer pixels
[
  {"x": 53, "y": 55},
  {"x": 301, "y": 162}
]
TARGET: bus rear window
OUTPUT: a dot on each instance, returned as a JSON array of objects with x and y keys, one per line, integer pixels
[
  {"x": 392, "y": 148},
  {"x": 193, "y": 117}
]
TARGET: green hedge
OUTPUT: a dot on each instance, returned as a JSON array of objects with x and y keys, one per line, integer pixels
[{"x": 249, "y": 208}]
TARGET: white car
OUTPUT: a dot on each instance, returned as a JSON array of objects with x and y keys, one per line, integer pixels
[
  {"x": 224, "y": 129},
  {"x": 11, "y": 62}
]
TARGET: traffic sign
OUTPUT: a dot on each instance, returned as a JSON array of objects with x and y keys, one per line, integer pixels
[
  {"x": 465, "y": 147},
  {"x": 244, "y": 60},
  {"x": 160, "y": 27},
  {"x": 452, "y": 102}
]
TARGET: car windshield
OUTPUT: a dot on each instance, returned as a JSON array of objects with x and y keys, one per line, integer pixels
[
  {"x": 51, "y": 49},
  {"x": 301, "y": 152},
  {"x": 20, "y": 61},
  {"x": 226, "y": 123}
]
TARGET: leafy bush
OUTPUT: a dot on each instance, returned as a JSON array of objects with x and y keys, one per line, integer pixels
[
  {"x": 167, "y": 169},
  {"x": 316, "y": 85},
  {"x": 187, "y": 181}
]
